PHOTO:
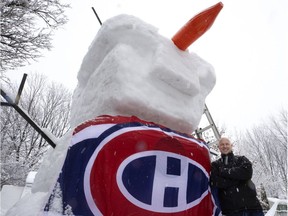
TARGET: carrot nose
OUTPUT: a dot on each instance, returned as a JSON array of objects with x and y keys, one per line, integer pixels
[{"x": 196, "y": 27}]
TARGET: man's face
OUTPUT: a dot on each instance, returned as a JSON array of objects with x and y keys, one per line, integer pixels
[{"x": 225, "y": 146}]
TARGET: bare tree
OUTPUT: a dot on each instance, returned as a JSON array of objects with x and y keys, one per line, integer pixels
[
  {"x": 266, "y": 146},
  {"x": 26, "y": 28},
  {"x": 48, "y": 104}
]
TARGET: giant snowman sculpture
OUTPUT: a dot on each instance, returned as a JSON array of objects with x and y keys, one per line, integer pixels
[{"x": 138, "y": 99}]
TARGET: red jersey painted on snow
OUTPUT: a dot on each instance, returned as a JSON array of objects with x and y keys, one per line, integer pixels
[{"x": 124, "y": 165}]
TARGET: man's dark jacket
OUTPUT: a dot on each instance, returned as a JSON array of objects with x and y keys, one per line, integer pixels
[{"x": 232, "y": 176}]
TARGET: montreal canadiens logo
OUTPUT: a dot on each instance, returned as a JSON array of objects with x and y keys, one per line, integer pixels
[
  {"x": 159, "y": 181},
  {"x": 145, "y": 173}
]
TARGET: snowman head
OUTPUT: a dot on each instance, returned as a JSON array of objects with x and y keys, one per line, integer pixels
[{"x": 130, "y": 69}]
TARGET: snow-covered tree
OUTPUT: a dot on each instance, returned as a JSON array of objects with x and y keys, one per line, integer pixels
[
  {"x": 22, "y": 148},
  {"x": 266, "y": 146},
  {"x": 26, "y": 28}
]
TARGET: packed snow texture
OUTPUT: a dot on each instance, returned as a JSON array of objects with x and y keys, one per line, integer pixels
[{"x": 129, "y": 69}]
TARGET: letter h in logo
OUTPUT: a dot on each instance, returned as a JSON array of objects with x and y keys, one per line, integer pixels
[{"x": 170, "y": 185}]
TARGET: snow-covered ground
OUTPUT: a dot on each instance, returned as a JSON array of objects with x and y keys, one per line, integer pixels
[
  {"x": 10, "y": 194},
  {"x": 275, "y": 203}
]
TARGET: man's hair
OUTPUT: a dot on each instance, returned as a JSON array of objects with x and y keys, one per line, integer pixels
[{"x": 222, "y": 138}]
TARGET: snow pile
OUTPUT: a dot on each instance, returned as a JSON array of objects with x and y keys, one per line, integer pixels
[
  {"x": 129, "y": 69},
  {"x": 12, "y": 194},
  {"x": 273, "y": 210}
]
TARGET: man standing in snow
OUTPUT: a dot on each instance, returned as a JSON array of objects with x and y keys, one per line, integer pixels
[{"x": 232, "y": 175}]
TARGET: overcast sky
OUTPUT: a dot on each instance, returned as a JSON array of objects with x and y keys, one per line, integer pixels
[{"x": 247, "y": 45}]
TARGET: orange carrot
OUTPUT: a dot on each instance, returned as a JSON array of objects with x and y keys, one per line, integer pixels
[{"x": 196, "y": 27}]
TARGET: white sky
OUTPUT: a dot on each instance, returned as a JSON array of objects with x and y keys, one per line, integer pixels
[{"x": 247, "y": 45}]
